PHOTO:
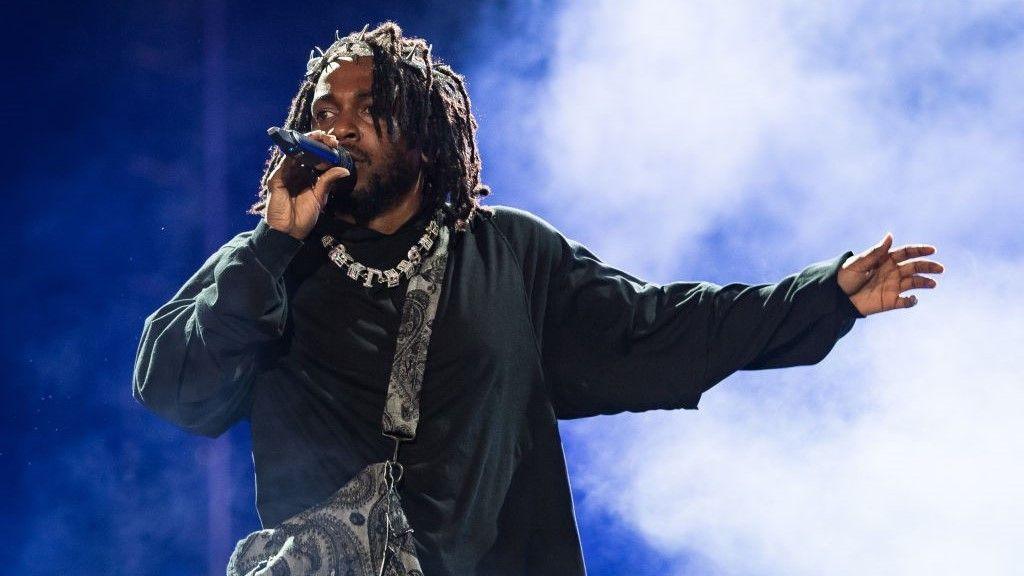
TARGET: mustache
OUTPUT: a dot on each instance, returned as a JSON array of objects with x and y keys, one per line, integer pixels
[{"x": 357, "y": 154}]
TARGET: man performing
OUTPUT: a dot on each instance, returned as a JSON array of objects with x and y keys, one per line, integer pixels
[{"x": 296, "y": 324}]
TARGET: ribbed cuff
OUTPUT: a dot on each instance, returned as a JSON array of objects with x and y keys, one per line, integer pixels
[
  {"x": 845, "y": 304},
  {"x": 273, "y": 248}
]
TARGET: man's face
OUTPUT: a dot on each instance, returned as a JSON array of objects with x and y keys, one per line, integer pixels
[{"x": 385, "y": 170}]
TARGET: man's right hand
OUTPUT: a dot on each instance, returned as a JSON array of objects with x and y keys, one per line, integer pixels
[{"x": 297, "y": 197}]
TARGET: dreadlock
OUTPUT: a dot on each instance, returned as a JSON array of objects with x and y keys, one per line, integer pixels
[{"x": 425, "y": 100}]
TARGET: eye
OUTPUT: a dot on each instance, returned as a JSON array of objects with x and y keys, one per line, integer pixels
[{"x": 318, "y": 115}]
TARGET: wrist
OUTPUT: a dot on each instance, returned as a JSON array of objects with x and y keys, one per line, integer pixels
[
  {"x": 854, "y": 304},
  {"x": 283, "y": 230},
  {"x": 273, "y": 248}
]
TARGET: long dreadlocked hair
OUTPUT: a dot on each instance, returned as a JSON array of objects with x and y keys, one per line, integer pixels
[{"x": 425, "y": 100}]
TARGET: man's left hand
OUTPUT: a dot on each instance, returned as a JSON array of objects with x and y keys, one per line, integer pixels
[{"x": 875, "y": 278}]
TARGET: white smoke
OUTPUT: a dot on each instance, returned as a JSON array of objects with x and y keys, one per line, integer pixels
[{"x": 741, "y": 141}]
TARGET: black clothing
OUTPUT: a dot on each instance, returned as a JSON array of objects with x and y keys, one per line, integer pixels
[{"x": 530, "y": 327}]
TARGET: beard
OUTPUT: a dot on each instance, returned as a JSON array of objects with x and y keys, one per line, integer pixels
[{"x": 381, "y": 191}]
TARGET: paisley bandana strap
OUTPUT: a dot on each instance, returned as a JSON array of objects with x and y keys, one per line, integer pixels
[{"x": 402, "y": 408}]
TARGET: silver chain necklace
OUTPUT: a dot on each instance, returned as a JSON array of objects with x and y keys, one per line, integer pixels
[{"x": 390, "y": 277}]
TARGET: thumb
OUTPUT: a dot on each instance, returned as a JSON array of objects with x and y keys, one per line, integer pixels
[
  {"x": 324, "y": 181},
  {"x": 880, "y": 251},
  {"x": 883, "y": 247},
  {"x": 335, "y": 173},
  {"x": 868, "y": 260}
]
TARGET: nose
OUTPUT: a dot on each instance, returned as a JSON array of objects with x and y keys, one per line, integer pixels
[{"x": 344, "y": 128}]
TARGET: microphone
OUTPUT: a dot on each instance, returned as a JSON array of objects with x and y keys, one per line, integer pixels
[{"x": 309, "y": 152}]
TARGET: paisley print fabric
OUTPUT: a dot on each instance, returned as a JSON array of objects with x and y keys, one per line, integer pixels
[
  {"x": 344, "y": 536},
  {"x": 402, "y": 410},
  {"x": 361, "y": 529}
]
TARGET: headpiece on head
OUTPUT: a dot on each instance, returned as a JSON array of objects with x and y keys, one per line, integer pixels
[{"x": 349, "y": 47}]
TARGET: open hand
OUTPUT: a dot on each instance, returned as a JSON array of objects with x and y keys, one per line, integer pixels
[{"x": 875, "y": 278}]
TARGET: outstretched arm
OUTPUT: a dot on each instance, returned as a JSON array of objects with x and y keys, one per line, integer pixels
[{"x": 613, "y": 342}]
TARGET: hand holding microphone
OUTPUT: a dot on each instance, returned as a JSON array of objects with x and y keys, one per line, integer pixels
[{"x": 297, "y": 193}]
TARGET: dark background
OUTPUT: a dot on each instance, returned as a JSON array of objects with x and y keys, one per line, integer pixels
[{"x": 136, "y": 138}]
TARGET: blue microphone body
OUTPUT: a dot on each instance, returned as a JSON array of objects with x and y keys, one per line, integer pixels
[{"x": 309, "y": 152}]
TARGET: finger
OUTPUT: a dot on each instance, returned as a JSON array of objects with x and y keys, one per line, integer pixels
[
  {"x": 324, "y": 182},
  {"x": 327, "y": 138},
  {"x": 288, "y": 163},
  {"x": 911, "y": 282},
  {"x": 280, "y": 166},
  {"x": 332, "y": 174},
  {"x": 878, "y": 252},
  {"x": 906, "y": 301},
  {"x": 283, "y": 172},
  {"x": 886, "y": 242},
  {"x": 912, "y": 251},
  {"x": 920, "y": 267}
]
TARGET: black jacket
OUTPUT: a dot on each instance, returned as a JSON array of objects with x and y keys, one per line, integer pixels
[{"x": 531, "y": 327}]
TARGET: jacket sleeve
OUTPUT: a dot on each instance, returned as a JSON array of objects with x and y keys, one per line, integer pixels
[
  {"x": 199, "y": 352},
  {"x": 613, "y": 342}
]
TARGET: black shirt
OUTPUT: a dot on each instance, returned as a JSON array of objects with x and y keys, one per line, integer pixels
[{"x": 530, "y": 327}]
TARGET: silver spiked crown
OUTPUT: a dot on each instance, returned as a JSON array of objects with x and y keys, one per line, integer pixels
[{"x": 349, "y": 47}]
